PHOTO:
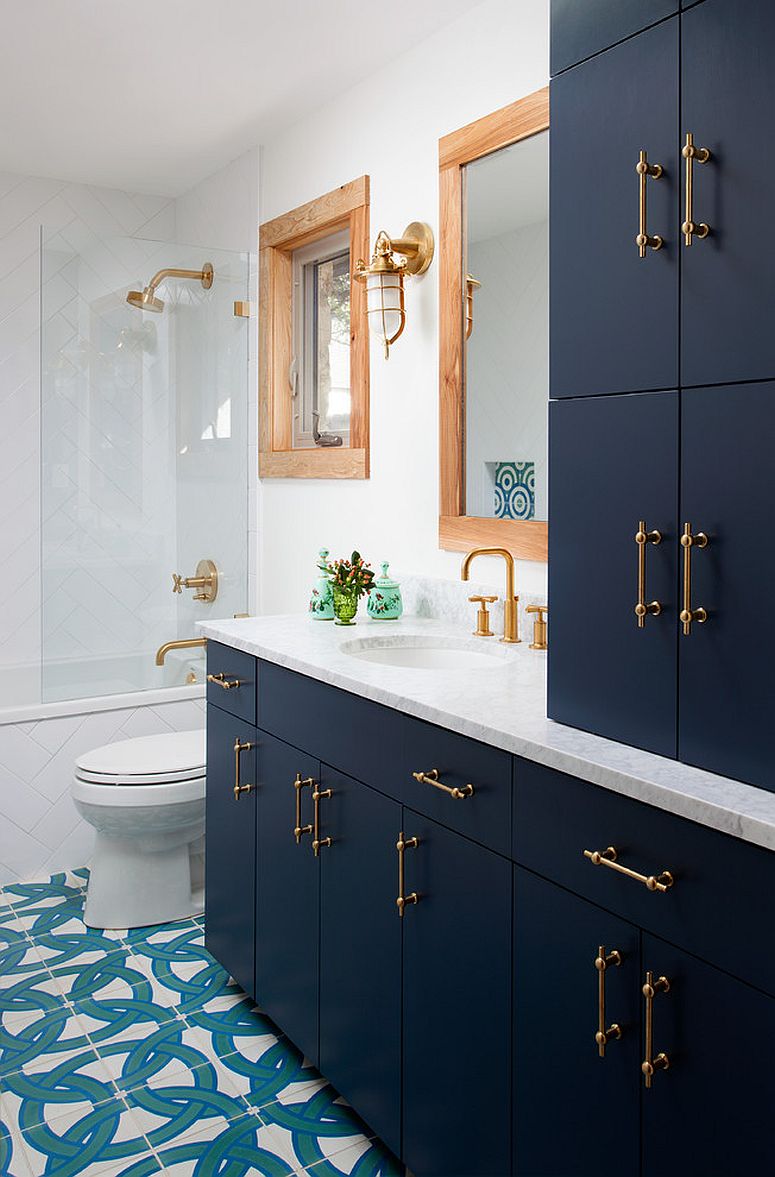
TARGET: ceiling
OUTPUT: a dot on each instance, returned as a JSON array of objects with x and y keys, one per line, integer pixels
[{"x": 154, "y": 95}]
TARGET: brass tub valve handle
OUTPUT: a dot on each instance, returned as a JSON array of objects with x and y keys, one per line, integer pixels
[
  {"x": 483, "y": 616},
  {"x": 205, "y": 581}
]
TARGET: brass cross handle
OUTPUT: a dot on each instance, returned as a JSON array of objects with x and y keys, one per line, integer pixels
[
  {"x": 205, "y": 580},
  {"x": 691, "y": 228},
  {"x": 605, "y": 1034},
  {"x": 483, "y": 616},
  {"x": 645, "y": 169}
]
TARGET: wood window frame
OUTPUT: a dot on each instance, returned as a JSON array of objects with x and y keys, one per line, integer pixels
[
  {"x": 458, "y": 532},
  {"x": 343, "y": 208}
]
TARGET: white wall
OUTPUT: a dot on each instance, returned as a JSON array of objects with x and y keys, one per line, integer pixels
[{"x": 389, "y": 128}]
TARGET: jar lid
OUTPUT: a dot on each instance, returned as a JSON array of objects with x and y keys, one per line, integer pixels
[{"x": 385, "y": 581}]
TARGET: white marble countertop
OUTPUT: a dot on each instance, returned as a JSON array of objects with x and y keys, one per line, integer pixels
[{"x": 504, "y": 706}]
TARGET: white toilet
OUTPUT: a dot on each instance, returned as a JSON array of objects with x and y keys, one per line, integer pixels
[{"x": 146, "y": 800}]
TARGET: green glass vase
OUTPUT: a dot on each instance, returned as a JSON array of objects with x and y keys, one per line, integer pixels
[{"x": 345, "y": 606}]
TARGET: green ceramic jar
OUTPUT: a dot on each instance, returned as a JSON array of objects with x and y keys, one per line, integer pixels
[
  {"x": 321, "y": 602},
  {"x": 385, "y": 602}
]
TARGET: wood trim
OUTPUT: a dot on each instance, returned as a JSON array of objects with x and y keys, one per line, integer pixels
[
  {"x": 336, "y": 462},
  {"x": 459, "y": 532},
  {"x": 315, "y": 218},
  {"x": 525, "y": 540},
  {"x": 344, "y": 208},
  {"x": 527, "y": 116}
]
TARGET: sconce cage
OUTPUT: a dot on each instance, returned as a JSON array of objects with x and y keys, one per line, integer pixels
[{"x": 384, "y": 278}]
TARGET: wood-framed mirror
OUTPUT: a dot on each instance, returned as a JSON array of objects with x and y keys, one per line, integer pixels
[{"x": 493, "y": 331}]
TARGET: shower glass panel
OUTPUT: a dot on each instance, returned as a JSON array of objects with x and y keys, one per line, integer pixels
[{"x": 144, "y": 458}]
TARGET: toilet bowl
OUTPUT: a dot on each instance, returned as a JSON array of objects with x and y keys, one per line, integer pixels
[{"x": 145, "y": 799}]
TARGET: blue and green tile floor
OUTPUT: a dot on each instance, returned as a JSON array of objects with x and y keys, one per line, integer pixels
[{"x": 135, "y": 1053}]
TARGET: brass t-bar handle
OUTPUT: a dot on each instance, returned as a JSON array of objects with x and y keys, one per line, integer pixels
[
  {"x": 403, "y": 900},
  {"x": 687, "y": 614},
  {"x": 608, "y": 857},
  {"x": 642, "y": 609},
  {"x": 605, "y": 1034},
  {"x": 238, "y": 788},
  {"x": 432, "y": 778},
  {"x": 661, "y": 1062},
  {"x": 645, "y": 169},
  {"x": 690, "y": 228},
  {"x": 483, "y": 616}
]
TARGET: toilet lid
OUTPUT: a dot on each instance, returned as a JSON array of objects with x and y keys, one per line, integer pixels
[{"x": 145, "y": 760}]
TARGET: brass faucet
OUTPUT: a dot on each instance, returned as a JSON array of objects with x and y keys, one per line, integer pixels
[
  {"x": 510, "y": 616},
  {"x": 206, "y": 580},
  {"x": 182, "y": 644}
]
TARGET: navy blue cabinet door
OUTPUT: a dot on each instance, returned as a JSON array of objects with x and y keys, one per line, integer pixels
[
  {"x": 287, "y": 893},
  {"x": 360, "y": 952},
  {"x": 728, "y": 105},
  {"x": 567, "y": 1097},
  {"x": 726, "y": 664},
  {"x": 613, "y": 463},
  {"x": 614, "y": 314},
  {"x": 230, "y": 846},
  {"x": 457, "y": 1006},
  {"x": 579, "y": 30},
  {"x": 711, "y": 1111}
]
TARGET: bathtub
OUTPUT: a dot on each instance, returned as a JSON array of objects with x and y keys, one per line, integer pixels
[{"x": 41, "y": 832}]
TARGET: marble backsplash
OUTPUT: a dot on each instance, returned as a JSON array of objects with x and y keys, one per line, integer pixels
[{"x": 447, "y": 600}]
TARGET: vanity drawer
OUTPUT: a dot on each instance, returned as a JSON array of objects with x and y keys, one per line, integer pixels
[
  {"x": 383, "y": 748},
  {"x": 227, "y": 665},
  {"x": 721, "y": 905}
]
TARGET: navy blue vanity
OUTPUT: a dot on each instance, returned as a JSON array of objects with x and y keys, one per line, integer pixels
[{"x": 461, "y": 1023}]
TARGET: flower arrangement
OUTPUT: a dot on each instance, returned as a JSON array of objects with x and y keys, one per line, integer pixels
[{"x": 352, "y": 576}]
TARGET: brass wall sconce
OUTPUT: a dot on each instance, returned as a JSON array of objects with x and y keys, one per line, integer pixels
[
  {"x": 472, "y": 284},
  {"x": 384, "y": 278}
]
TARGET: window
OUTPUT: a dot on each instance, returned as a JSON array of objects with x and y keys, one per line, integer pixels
[
  {"x": 320, "y": 367},
  {"x": 314, "y": 360}
]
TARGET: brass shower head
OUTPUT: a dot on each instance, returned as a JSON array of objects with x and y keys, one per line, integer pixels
[{"x": 146, "y": 299}]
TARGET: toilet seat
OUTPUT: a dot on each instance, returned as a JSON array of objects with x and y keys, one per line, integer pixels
[{"x": 145, "y": 760}]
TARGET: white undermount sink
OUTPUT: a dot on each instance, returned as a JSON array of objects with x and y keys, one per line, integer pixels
[{"x": 427, "y": 653}]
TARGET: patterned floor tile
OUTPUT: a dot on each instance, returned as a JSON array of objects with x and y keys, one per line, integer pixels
[
  {"x": 242, "y": 1148},
  {"x": 189, "y": 981},
  {"x": 73, "y": 1084},
  {"x": 79, "y": 1144},
  {"x": 313, "y": 1128},
  {"x": 12, "y": 1154},
  {"x": 368, "y": 1158},
  {"x": 175, "y": 1112},
  {"x": 75, "y": 944},
  {"x": 41, "y": 1039}
]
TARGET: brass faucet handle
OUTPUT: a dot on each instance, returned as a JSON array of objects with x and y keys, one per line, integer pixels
[
  {"x": 177, "y": 582},
  {"x": 539, "y": 641},
  {"x": 483, "y": 616}
]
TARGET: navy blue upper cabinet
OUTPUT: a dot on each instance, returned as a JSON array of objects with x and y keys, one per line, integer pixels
[
  {"x": 728, "y": 105},
  {"x": 567, "y": 1097},
  {"x": 583, "y": 27},
  {"x": 614, "y": 314},
  {"x": 287, "y": 890},
  {"x": 613, "y": 465},
  {"x": 710, "y": 1113},
  {"x": 360, "y": 951},
  {"x": 457, "y": 1006},
  {"x": 726, "y": 664},
  {"x": 230, "y": 845}
]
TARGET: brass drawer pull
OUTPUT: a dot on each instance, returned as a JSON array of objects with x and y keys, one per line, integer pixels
[
  {"x": 605, "y": 1034},
  {"x": 644, "y": 170},
  {"x": 238, "y": 788},
  {"x": 650, "y": 1064},
  {"x": 220, "y": 680},
  {"x": 642, "y": 609},
  {"x": 607, "y": 857},
  {"x": 317, "y": 842},
  {"x": 687, "y": 614},
  {"x": 402, "y": 845},
  {"x": 432, "y": 778},
  {"x": 298, "y": 785},
  {"x": 690, "y": 228}
]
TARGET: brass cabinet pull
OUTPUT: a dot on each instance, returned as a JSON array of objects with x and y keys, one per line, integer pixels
[
  {"x": 650, "y": 1064},
  {"x": 687, "y": 614},
  {"x": 690, "y": 228},
  {"x": 644, "y": 170},
  {"x": 642, "y": 609},
  {"x": 605, "y": 1034},
  {"x": 298, "y": 785},
  {"x": 317, "y": 842},
  {"x": 238, "y": 788},
  {"x": 220, "y": 680},
  {"x": 402, "y": 845},
  {"x": 608, "y": 857},
  {"x": 432, "y": 778}
]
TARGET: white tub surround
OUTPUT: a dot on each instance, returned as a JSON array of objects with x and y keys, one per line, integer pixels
[{"x": 504, "y": 706}]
